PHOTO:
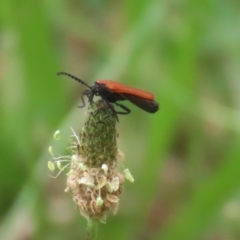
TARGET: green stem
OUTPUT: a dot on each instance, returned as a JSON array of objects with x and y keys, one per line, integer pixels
[{"x": 92, "y": 229}]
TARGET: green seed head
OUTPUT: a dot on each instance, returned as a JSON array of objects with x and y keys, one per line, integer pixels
[{"x": 98, "y": 144}]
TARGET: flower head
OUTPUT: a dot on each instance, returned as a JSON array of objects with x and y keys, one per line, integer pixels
[{"x": 93, "y": 178}]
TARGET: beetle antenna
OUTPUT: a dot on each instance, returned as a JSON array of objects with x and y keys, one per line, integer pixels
[{"x": 75, "y": 78}]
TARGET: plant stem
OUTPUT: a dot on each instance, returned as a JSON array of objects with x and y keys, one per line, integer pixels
[{"x": 92, "y": 229}]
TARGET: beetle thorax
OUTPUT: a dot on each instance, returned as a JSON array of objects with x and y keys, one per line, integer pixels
[{"x": 101, "y": 90}]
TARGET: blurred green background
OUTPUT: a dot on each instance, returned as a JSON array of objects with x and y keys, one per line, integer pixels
[{"x": 185, "y": 158}]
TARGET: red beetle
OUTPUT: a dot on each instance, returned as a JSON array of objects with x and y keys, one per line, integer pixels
[{"x": 112, "y": 92}]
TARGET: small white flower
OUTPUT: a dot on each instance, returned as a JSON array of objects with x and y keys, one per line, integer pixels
[
  {"x": 128, "y": 175},
  {"x": 56, "y": 135},
  {"x": 50, "y": 150},
  {"x": 105, "y": 168},
  {"x": 74, "y": 158},
  {"x": 113, "y": 185},
  {"x": 51, "y": 166},
  {"x": 99, "y": 201},
  {"x": 59, "y": 165}
]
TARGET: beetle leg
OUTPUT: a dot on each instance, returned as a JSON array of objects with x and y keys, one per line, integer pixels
[
  {"x": 90, "y": 96},
  {"x": 127, "y": 110},
  {"x": 113, "y": 110},
  {"x": 83, "y": 102}
]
